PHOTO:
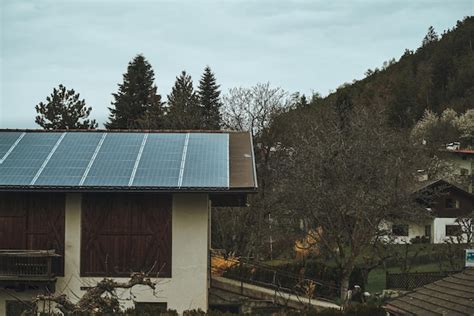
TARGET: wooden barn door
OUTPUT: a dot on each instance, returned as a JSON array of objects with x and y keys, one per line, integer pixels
[
  {"x": 33, "y": 221},
  {"x": 13, "y": 217},
  {"x": 126, "y": 232}
]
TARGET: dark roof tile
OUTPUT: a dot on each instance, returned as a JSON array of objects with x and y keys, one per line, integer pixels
[{"x": 453, "y": 295}]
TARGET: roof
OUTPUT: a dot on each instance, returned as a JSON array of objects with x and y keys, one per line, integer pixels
[
  {"x": 461, "y": 151},
  {"x": 102, "y": 160},
  {"x": 441, "y": 185},
  {"x": 453, "y": 295},
  {"x": 433, "y": 193}
]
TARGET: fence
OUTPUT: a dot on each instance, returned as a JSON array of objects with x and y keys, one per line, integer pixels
[
  {"x": 247, "y": 271},
  {"x": 412, "y": 280}
]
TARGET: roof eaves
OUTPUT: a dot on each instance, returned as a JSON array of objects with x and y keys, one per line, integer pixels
[{"x": 164, "y": 131}]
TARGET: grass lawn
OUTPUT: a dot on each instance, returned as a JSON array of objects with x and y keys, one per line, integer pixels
[{"x": 376, "y": 281}]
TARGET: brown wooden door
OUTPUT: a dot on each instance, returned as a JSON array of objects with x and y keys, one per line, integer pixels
[
  {"x": 13, "y": 214},
  {"x": 126, "y": 232}
]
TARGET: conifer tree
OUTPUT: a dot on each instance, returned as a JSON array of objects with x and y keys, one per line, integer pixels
[
  {"x": 64, "y": 110},
  {"x": 344, "y": 108},
  {"x": 183, "y": 105},
  {"x": 137, "y": 103},
  {"x": 209, "y": 99},
  {"x": 430, "y": 37}
]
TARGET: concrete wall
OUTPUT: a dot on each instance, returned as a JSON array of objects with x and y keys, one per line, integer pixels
[{"x": 188, "y": 286}]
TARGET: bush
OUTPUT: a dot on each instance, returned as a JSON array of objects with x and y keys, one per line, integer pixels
[{"x": 420, "y": 240}]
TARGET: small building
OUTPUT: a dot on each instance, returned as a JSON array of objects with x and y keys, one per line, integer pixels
[
  {"x": 453, "y": 295},
  {"x": 78, "y": 206},
  {"x": 445, "y": 203},
  {"x": 463, "y": 163}
]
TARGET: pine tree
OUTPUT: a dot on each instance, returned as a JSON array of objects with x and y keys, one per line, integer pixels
[
  {"x": 137, "y": 103},
  {"x": 430, "y": 37},
  {"x": 154, "y": 116},
  {"x": 64, "y": 110},
  {"x": 183, "y": 105},
  {"x": 344, "y": 107},
  {"x": 209, "y": 99}
]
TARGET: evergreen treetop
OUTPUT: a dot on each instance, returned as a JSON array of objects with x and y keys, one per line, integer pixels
[
  {"x": 209, "y": 99},
  {"x": 183, "y": 105},
  {"x": 137, "y": 103},
  {"x": 64, "y": 110},
  {"x": 430, "y": 37}
]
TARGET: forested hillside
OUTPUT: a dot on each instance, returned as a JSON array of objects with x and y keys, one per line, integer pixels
[{"x": 438, "y": 75}]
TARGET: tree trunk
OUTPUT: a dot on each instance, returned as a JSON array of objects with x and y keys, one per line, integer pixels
[{"x": 345, "y": 287}]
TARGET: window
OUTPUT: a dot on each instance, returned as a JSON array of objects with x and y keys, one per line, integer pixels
[
  {"x": 452, "y": 203},
  {"x": 453, "y": 230},
  {"x": 428, "y": 230},
  {"x": 400, "y": 230}
]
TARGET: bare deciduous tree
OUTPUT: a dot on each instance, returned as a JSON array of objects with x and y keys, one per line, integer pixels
[
  {"x": 252, "y": 109},
  {"x": 345, "y": 180}
]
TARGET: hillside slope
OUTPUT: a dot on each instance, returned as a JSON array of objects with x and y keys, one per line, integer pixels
[{"x": 438, "y": 75}]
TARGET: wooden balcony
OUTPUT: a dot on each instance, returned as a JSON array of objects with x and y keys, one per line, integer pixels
[{"x": 27, "y": 267}]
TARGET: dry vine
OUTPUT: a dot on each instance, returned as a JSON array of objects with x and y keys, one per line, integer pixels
[{"x": 94, "y": 299}]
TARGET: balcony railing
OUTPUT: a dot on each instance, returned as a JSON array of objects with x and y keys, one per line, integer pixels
[{"x": 27, "y": 265}]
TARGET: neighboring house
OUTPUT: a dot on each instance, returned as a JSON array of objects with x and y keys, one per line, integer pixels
[
  {"x": 463, "y": 163},
  {"x": 453, "y": 295},
  {"x": 445, "y": 202},
  {"x": 110, "y": 203}
]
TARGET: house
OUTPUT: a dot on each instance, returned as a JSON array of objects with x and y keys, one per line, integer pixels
[
  {"x": 445, "y": 202},
  {"x": 453, "y": 295},
  {"x": 77, "y": 206},
  {"x": 463, "y": 163}
]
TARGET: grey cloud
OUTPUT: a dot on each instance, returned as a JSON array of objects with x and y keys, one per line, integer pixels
[{"x": 298, "y": 45}]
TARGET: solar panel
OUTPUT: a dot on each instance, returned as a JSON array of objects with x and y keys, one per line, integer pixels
[
  {"x": 207, "y": 161},
  {"x": 160, "y": 161},
  {"x": 115, "y": 160},
  {"x": 24, "y": 161},
  {"x": 69, "y": 162},
  {"x": 7, "y": 141}
]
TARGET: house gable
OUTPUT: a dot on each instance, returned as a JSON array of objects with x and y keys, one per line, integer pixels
[{"x": 445, "y": 199}]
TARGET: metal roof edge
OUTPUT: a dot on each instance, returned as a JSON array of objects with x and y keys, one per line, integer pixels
[
  {"x": 254, "y": 167},
  {"x": 163, "y": 131}
]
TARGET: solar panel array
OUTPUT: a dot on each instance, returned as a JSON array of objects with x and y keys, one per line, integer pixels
[{"x": 101, "y": 159}]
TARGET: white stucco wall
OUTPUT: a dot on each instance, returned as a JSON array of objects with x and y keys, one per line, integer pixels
[
  {"x": 188, "y": 286},
  {"x": 439, "y": 228},
  {"x": 414, "y": 229}
]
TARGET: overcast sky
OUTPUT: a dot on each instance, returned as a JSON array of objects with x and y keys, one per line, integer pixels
[{"x": 298, "y": 45}]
